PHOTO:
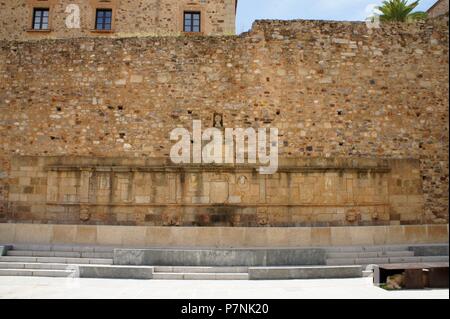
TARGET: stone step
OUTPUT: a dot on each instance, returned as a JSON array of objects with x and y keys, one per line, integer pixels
[
  {"x": 200, "y": 276},
  {"x": 385, "y": 260},
  {"x": 200, "y": 270},
  {"x": 57, "y": 260},
  {"x": 50, "y": 253},
  {"x": 115, "y": 272},
  {"x": 373, "y": 254},
  {"x": 417, "y": 258},
  {"x": 22, "y": 265},
  {"x": 66, "y": 248},
  {"x": 368, "y": 248},
  {"x": 36, "y": 272},
  {"x": 81, "y": 271},
  {"x": 304, "y": 272}
]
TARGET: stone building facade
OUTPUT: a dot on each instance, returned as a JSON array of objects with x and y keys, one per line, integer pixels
[
  {"x": 362, "y": 118},
  {"x": 21, "y": 19},
  {"x": 438, "y": 9}
]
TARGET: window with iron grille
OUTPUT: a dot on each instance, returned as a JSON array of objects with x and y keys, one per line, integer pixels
[
  {"x": 103, "y": 19},
  {"x": 40, "y": 18},
  {"x": 192, "y": 21}
]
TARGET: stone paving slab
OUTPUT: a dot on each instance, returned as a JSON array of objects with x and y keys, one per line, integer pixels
[
  {"x": 355, "y": 288},
  {"x": 167, "y": 269},
  {"x": 313, "y": 272},
  {"x": 200, "y": 276}
]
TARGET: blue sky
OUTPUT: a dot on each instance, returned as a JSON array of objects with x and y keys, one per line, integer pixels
[{"x": 348, "y": 10}]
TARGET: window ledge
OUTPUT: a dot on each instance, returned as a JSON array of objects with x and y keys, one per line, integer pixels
[
  {"x": 40, "y": 30},
  {"x": 192, "y": 33},
  {"x": 102, "y": 31}
]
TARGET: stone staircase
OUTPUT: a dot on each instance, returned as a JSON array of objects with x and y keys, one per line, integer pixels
[
  {"x": 201, "y": 273},
  {"x": 98, "y": 262},
  {"x": 51, "y": 261},
  {"x": 377, "y": 255}
]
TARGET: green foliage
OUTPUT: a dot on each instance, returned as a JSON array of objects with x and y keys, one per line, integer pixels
[{"x": 400, "y": 11}]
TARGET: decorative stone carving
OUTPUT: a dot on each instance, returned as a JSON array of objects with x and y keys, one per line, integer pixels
[
  {"x": 262, "y": 218},
  {"x": 133, "y": 188},
  {"x": 352, "y": 215},
  {"x": 236, "y": 220},
  {"x": 85, "y": 214},
  {"x": 170, "y": 219},
  {"x": 218, "y": 121},
  {"x": 242, "y": 180},
  {"x": 375, "y": 216}
]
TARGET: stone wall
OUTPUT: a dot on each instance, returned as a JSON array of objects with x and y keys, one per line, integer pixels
[
  {"x": 334, "y": 90},
  {"x": 439, "y": 8},
  {"x": 154, "y": 192},
  {"x": 130, "y": 18}
]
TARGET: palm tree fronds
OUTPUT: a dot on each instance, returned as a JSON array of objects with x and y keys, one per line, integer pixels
[{"x": 401, "y": 11}]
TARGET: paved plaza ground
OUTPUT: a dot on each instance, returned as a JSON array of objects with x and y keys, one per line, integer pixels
[{"x": 358, "y": 288}]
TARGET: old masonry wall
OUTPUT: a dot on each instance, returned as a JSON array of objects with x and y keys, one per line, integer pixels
[{"x": 362, "y": 117}]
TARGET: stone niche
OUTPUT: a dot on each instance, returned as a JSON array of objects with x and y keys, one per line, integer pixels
[{"x": 155, "y": 192}]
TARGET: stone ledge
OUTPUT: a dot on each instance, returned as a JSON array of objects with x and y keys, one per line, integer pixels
[
  {"x": 90, "y": 162},
  {"x": 224, "y": 205},
  {"x": 115, "y": 272},
  {"x": 216, "y": 168},
  {"x": 316, "y": 272},
  {"x": 222, "y": 237},
  {"x": 220, "y": 257}
]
